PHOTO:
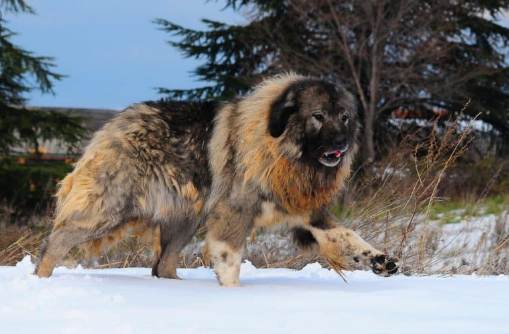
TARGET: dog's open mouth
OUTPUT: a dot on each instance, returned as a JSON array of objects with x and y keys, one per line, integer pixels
[{"x": 332, "y": 158}]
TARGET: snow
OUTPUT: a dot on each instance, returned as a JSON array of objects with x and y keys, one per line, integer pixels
[{"x": 312, "y": 300}]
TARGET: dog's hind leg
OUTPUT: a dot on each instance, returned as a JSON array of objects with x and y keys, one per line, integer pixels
[
  {"x": 61, "y": 240},
  {"x": 174, "y": 237}
]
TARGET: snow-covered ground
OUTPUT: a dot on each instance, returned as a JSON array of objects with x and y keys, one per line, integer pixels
[{"x": 312, "y": 300}]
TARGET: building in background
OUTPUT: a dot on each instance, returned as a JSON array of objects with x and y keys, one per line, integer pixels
[{"x": 55, "y": 150}]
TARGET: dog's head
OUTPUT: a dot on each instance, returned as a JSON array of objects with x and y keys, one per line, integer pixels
[{"x": 316, "y": 122}]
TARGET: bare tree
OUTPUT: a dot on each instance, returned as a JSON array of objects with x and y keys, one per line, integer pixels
[
  {"x": 390, "y": 53},
  {"x": 412, "y": 54}
]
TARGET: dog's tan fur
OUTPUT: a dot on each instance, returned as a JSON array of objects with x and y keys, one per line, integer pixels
[
  {"x": 124, "y": 185},
  {"x": 264, "y": 164},
  {"x": 158, "y": 173},
  {"x": 145, "y": 233}
]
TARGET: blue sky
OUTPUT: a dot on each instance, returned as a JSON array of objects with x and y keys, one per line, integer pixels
[{"x": 111, "y": 52}]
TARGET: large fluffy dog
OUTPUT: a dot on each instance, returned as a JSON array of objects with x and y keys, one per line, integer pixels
[{"x": 279, "y": 155}]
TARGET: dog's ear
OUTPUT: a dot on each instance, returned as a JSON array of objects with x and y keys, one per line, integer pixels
[{"x": 280, "y": 112}]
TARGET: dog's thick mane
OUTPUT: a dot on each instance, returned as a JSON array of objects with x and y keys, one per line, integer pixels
[{"x": 297, "y": 186}]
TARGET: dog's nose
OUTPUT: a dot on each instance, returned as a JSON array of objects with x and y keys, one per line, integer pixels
[{"x": 340, "y": 143}]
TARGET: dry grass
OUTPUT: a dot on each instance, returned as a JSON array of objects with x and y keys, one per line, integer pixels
[
  {"x": 27, "y": 244},
  {"x": 430, "y": 248},
  {"x": 391, "y": 205},
  {"x": 16, "y": 243},
  {"x": 496, "y": 260}
]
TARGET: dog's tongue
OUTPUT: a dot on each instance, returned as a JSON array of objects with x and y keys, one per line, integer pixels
[{"x": 337, "y": 153}]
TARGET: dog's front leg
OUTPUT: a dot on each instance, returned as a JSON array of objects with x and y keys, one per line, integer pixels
[
  {"x": 227, "y": 229},
  {"x": 343, "y": 247}
]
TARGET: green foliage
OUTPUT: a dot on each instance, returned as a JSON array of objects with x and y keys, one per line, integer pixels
[
  {"x": 393, "y": 54},
  {"x": 451, "y": 211},
  {"x": 30, "y": 127},
  {"x": 30, "y": 188},
  {"x": 232, "y": 53},
  {"x": 443, "y": 210},
  {"x": 18, "y": 65},
  {"x": 496, "y": 204},
  {"x": 487, "y": 177},
  {"x": 21, "y": 72},
  {"x": 15, "y": 6}
]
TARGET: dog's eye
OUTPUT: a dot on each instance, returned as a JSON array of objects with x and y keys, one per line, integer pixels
[
  {"x": 345, "y": 118},
  {"x": 318, "y": 116}
]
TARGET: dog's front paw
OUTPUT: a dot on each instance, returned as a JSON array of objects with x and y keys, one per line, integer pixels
[{"x": 383, "y": 265}]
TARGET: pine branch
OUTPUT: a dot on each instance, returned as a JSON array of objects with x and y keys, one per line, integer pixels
[
  {"x": 407, "y": 50},
  {"x": 21, "y": 72},
  {"x": 15, "y": 6}
]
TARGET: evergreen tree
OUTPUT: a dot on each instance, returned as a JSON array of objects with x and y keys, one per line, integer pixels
[
  {"x": 412, "y": 54},
  {"x": 21, "y": 72}
]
